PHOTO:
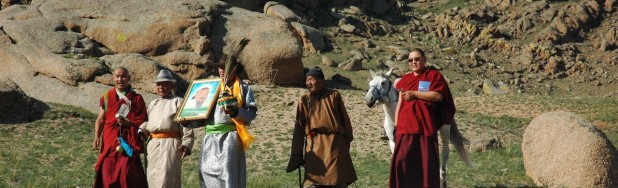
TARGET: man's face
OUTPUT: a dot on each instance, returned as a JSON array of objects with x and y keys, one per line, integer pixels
[
  {"x": 202, "y": 94},
  {"x": 121, "y": 79},
  {"x": 222, "y": 73},
  {"x": 164, "y": 88},
  {"x": 416, "y": 62},
  {"x": 314, "y": 84}
]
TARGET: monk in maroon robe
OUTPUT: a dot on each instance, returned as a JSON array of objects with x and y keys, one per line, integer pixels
[
  {"x": 115, "y": 168},
  {"x": 425, "y": 104}
]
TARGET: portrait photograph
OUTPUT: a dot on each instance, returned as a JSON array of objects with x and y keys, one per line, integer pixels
[{"x": 199, "y": 99}]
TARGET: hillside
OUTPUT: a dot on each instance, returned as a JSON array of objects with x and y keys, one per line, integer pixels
[
  {"x": 529, "y": 46},
  {"x": 536, "y": 47}
]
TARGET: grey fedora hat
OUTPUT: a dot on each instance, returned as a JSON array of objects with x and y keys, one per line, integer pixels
[{"x": 165, "y": 76}]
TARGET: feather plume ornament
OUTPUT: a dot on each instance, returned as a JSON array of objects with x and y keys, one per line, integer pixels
[
  {"x": 228, "y": 97},
  {"x": 229, "y": 60}
]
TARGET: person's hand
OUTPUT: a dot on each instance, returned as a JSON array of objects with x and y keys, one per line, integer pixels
[
  {"x": 141, "y": 134},
  {"x": 181, "y": 121},
  {"x": 184, "y": 150},
  {"x": 96, "y": 144},
  {"x": 231, "y": 110},
  {"x": 123, "y": 122},
  {"x": 408, "y": 95}
]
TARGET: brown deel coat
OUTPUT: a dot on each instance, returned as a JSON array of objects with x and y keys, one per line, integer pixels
[{"x": 325, "y": 121}]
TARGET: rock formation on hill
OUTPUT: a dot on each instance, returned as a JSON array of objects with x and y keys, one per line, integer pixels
[
  {"x": 538, "y": 46},
  {"x": 72, "y": 46}
]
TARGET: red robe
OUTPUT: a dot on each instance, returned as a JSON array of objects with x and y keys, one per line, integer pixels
[
  {"x": 423, "y": 117},
  {"x": 415, "y": 161},
  {"x": 118, "y": 169}
]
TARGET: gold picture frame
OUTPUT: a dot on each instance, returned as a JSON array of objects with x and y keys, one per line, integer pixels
[{"x": 199, "y": 99}]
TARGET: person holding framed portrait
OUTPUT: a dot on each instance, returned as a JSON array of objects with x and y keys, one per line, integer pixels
[{"x": 222, "y": 161}]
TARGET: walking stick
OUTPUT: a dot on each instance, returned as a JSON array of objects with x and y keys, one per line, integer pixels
[
  {"x": 145, "y": 146},
  {"x": 300, "y": 184},
  {"x": 145, "y": 158},
  {"x": 300, "y": 181}
]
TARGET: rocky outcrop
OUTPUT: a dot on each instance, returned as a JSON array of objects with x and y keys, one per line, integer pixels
[
  {"x": 562, "y": 149},
  {"x": 273, "y": 54},
  {"x": 484, "y": 144},
  {"x": 281, "y": 11},
  {"x": 491, "y": 88},
  {"x": 313, "y": 41},
  {"x": 369, "y": 6},
  {"x": 188, "y": 65},
  {"x": 570, "y": 21},
  {"x": 140, "y": 67},
  {"x": 80, "y": 42}
]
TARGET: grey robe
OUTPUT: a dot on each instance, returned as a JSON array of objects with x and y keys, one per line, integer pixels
[{"x": 222, "y": 161}]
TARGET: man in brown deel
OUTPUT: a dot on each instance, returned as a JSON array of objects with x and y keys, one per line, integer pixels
[{"x": 323, "y": 128}]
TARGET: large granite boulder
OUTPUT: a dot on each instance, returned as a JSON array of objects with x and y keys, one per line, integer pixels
[
  {"x": 562, "y": 149},
  {"x": 273, "y": 54},
  {"x": 72, "y": 46}
]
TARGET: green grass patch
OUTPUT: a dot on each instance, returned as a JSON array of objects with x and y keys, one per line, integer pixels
[
  {"x": 494, "y": 168},
  {"x": 56, "y": 151},
  {"x": 450, "y": 4},
  {"x": 53, "y": 152}
]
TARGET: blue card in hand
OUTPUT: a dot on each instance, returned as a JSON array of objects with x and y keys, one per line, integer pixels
[{"x": 423, "y": 85}]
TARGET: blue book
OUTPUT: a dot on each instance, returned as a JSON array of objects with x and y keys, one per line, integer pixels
[{"x": 127, "y": 148}]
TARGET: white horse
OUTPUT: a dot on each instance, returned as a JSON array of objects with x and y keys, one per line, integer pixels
[{"x": 382, "y": 91}]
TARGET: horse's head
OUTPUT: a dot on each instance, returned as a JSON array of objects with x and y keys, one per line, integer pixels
[{"x": 379, "y": 86}]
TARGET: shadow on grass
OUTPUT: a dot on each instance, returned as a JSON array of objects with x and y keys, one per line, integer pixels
[{"x": 28, "y": 111}]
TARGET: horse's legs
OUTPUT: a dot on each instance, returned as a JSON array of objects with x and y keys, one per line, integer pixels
[
  {"x": 390, "y": 128},
  {"x": 445, "y": 138}
]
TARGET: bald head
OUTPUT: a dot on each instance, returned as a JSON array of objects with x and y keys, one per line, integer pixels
[{"x": 121, "y": 78}]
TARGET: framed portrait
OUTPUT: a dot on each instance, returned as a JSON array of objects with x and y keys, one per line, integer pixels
[{"x": 199, "y": 99}]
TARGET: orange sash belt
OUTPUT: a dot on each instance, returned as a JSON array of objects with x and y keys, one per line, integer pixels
[{"x": 171, "y": 134}]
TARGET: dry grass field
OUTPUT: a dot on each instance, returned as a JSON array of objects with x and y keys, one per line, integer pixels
[{"x": 56, "y": 150}]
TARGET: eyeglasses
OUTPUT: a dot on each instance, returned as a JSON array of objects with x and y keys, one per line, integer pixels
[{"x": 418, "y": 59}]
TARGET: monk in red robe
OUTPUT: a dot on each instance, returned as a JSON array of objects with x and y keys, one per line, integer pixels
[
  {"x": 118, "y": 167},
  {"x": 424, "y": 105}
]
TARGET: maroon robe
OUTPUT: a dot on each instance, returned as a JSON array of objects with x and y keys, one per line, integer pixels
[
  {"x": 118, "y": 169},
  {"x": 415, "y": 161}
]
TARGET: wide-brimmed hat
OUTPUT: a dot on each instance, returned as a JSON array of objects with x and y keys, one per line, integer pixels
[{"x": 165, "y": 76}]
